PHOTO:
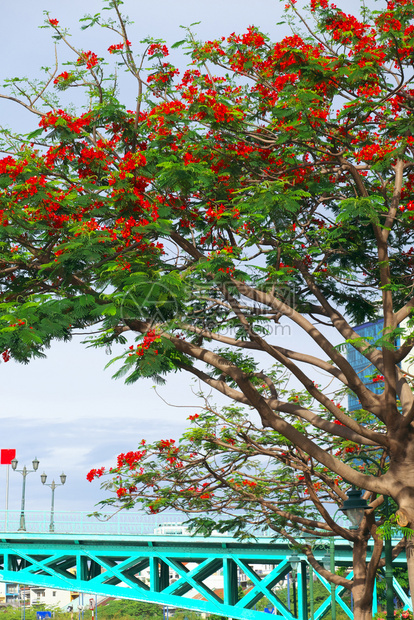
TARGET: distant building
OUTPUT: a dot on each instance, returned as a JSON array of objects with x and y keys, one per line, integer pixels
[
  {"x": 366, "y": 371},
  {"x": 171, "y": 529},
  {"x": 16, "y": 595}
]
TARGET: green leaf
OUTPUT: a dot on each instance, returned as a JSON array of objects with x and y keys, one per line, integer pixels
[
  {"x": 178, "y": 43},
  {"x": 35, "y": 134}
]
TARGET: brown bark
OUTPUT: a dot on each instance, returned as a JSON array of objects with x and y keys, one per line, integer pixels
[
  {"x": 405, "y": 517},
  {"x": 362, "y": 588},
  {"x": 399, "y": 477},
  {"x": 291, "y": 408}
]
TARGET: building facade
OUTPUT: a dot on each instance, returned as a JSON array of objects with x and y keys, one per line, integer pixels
[{"x": 366, "y": 371}]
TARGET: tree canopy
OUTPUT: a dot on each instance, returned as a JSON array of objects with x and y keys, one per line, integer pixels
[{"x": 267, "y": 185}]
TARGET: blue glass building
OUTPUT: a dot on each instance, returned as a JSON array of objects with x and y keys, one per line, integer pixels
[{"x": 365, "y": 370}]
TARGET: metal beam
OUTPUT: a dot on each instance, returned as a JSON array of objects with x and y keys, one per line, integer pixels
[{"x": 144, "y": 567}]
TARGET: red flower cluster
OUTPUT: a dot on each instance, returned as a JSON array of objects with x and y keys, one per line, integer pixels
[
  {"x": 189, "y": 159},
  {"x": 149, "y": 338},
  {"x": 9, "y": 166},
  {"x": 164, "y": 75},
  {"x": 131, "y": 459},
  {"x": 157, "y": 48},
  {"x": 249, "y": 483},
  {"x": 168, "y": 447},
  {"x": 112, "y": 49},
  {"x": 90, "y": 59},
  {"x": 346, "y": 27},
  {"x": 252, "y": 38},
  {"x": 166, "y": 444},
  {"x": 50, "y": 119},
  {"x": 375, "y": 152},
  {"x": 319, "y": 3},
  {"x": 193, "y": 417},
  {"x": 95, "y": 473},
  {"x": 6, "y": 355},
  {"x": 62, "y": 78},
  {"x": 215, "y": 213},
  {"x": 90, "y": 156},
  {"x": 130, "y": 162}
]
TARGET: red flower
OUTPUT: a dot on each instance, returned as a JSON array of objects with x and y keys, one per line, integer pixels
[
  {"x": 90, "y": 59},
  {"x": 6, "y": 355},
  {"x": 53, "y": 22},
  {"x": 112, "y": 49},
  {"x": 188, "y": 158},
  {"x": 95, "y": 473},
  {"x": 157, "y": 47},
  {"x": 61, "y": 78}
]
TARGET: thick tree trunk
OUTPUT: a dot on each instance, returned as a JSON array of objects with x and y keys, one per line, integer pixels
[
  {"x": 362, "y": 613},
  {"x": 401, "y": 488},
  {"x": 405, "y": 518},
  {"x": 362, "y": 591}
]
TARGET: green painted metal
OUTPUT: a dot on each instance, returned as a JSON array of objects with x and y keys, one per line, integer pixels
[
  {"x": 302, "y": 591},
  {"x": 168, "y": 570}
]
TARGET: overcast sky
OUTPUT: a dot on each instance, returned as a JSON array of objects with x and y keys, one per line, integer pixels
[{"x": 67, "y": 410}]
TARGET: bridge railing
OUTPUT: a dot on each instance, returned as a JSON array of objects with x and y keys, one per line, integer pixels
[{"x": 70, "y": 522}]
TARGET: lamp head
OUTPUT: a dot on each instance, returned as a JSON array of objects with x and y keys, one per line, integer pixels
[
  {"x": 35, "y": 463},
  {"x": 14, "y": 463},
  {"x": 354, "y": 507},
  {"x": 294, "y": 562},
  {"x": 43, "y": 478},
  {"x": 63, "y": 478},
  {"x": 326, "y": 561}
]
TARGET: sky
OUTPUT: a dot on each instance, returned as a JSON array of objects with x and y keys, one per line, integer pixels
[{"x": 66, "y": 410}]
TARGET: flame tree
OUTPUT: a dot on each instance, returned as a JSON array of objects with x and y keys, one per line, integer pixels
[{"x": 270, "y": 184}]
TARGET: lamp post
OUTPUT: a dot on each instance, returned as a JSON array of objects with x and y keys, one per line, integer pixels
[
  {"x": 53, "y": 486},
  {"x": 354, "y": 507},
  {"x": 24, "y": 472},
  {"x": 294, "y": 562},
  {"x": 312, "y": 602},
  {"x": 310, "y": 539},
  {"x": 328, "y": 562}
]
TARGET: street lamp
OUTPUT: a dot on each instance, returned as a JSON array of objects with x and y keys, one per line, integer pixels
[
  {"x": 53, "y": 486},
  {"x": 294, "y": 563},
  {"x": 328, "y": 562},
  {"x": 24, "y": 472},
  {"x": 354, "y": 507},
  {"x": 309, "y": 538}
]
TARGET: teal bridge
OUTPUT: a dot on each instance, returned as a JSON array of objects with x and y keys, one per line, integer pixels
[{"x": 173, "y": 570}]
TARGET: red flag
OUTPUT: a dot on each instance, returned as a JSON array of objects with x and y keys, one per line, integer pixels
[{"x": 6, "y": 456}]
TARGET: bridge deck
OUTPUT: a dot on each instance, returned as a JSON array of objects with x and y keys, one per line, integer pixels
[{"x": 168, "y": 570}]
